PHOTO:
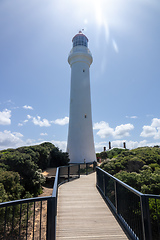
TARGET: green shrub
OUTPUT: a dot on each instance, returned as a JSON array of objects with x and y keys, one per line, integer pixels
[{"x": 21, "y": 169}]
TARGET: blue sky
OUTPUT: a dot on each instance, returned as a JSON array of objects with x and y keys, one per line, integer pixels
[{"x": 35, "y": 40}]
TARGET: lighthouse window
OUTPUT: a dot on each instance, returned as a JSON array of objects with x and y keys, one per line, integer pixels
[{"x": 80, "y": 40}]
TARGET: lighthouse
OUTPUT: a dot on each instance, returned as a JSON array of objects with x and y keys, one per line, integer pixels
[{"x": 80, "y": 145}]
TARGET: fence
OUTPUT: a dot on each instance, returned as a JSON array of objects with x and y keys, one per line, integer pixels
[
  {"x": 139, "y": 214},
  {"x": 35, "y": 218}
]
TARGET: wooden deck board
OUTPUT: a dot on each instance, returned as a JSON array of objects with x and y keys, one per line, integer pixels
[{"x": 83, "y": 214}]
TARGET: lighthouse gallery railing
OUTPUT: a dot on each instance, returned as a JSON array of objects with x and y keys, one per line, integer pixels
[{"x": 35, "y": 218}]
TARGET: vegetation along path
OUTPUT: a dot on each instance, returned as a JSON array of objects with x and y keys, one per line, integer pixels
[{"x": 83, "y": 214}]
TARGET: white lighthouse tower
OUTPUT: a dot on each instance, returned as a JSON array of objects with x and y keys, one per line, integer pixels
[{"x": 80, "y": 144}]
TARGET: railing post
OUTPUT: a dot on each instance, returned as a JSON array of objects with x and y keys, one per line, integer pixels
[
  {"x": 68, "y": 172},
  {"x": 79, "y": 170},
  {"x": 97, "y": 182},
  {"x": 104, "y": 185},
  {"x": 86, "y": 169},
  {"x": 146, "y": 224},
  {"x": 51, "y": 218},
  {"x": 94, "y": 165},
  {"x": 116, "y": 196},
  {"x": 59, "y": 175}
]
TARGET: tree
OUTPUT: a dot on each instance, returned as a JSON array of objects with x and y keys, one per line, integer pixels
[
  {"x": 58, "y": 158},
  {"x": 28, "y": 163},
  {"x": 11, "y": 188}
]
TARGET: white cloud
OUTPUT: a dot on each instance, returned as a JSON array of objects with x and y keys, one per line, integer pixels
[
  {"x": 118, "y": 144},
  {"x": 123, "y": 130},
  {"x": 133, "y": 117},
  {"x": 114, "y": 144},
  {"x": 37, "y": 121},
  {"x": 5, "y": 116},
  {"x": 62, "y": 145},
  {"x": 29, "y": 116},
  {"x": 17, "y": 134},
  {"x": 22, "y": 123},
  {"x": 9, "y": 102},
  {"x": 62, "y": 121},
  {"x": 30, "y": 142},
  {"x": 149, "y": 115},
  {"x": 148, "y": 131},
  {"x": 119, "y": 132},
  {"x": 45, "y": 123},
  {"x": 43, "y": 134},
  {"x": 27, "y": 107},
  {"x": 129, "y": 144},
  {"x": 99, "y": 147},
  {"x": 10, "y": 140},
  {"x": 104, "y": 129},
  {"x": 41, "y": 123},
  {"x": 153, "y": 130},
  {"x": 155, "y": 122},
  {"x": 157, "y": 136}
]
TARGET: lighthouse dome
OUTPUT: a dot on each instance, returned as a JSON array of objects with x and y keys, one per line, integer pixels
[{"x": 80, "y": 40}]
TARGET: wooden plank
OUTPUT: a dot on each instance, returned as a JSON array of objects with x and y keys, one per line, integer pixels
[{"x": 83, "y": 214}]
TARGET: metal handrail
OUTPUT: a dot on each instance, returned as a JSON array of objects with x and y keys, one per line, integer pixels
[
  {"x": 9, "y": 207},
  {"x": 122, "y": 183},
  {"x": 22, "y": 201},
  {"x": 138, "y": 224},
  {"x": 55, "y": 187}
]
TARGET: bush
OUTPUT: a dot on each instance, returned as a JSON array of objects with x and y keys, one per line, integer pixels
[
  {"x": 11, "y": 189},
  {"x": 139, "y": 168},
  {"x": 21, "y": 169}
]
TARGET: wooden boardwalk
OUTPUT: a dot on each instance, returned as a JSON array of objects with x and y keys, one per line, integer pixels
[{"x": 83, "y": 214}]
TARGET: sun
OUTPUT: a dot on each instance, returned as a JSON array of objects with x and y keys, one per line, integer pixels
[{"x": 100, "y": 13}]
